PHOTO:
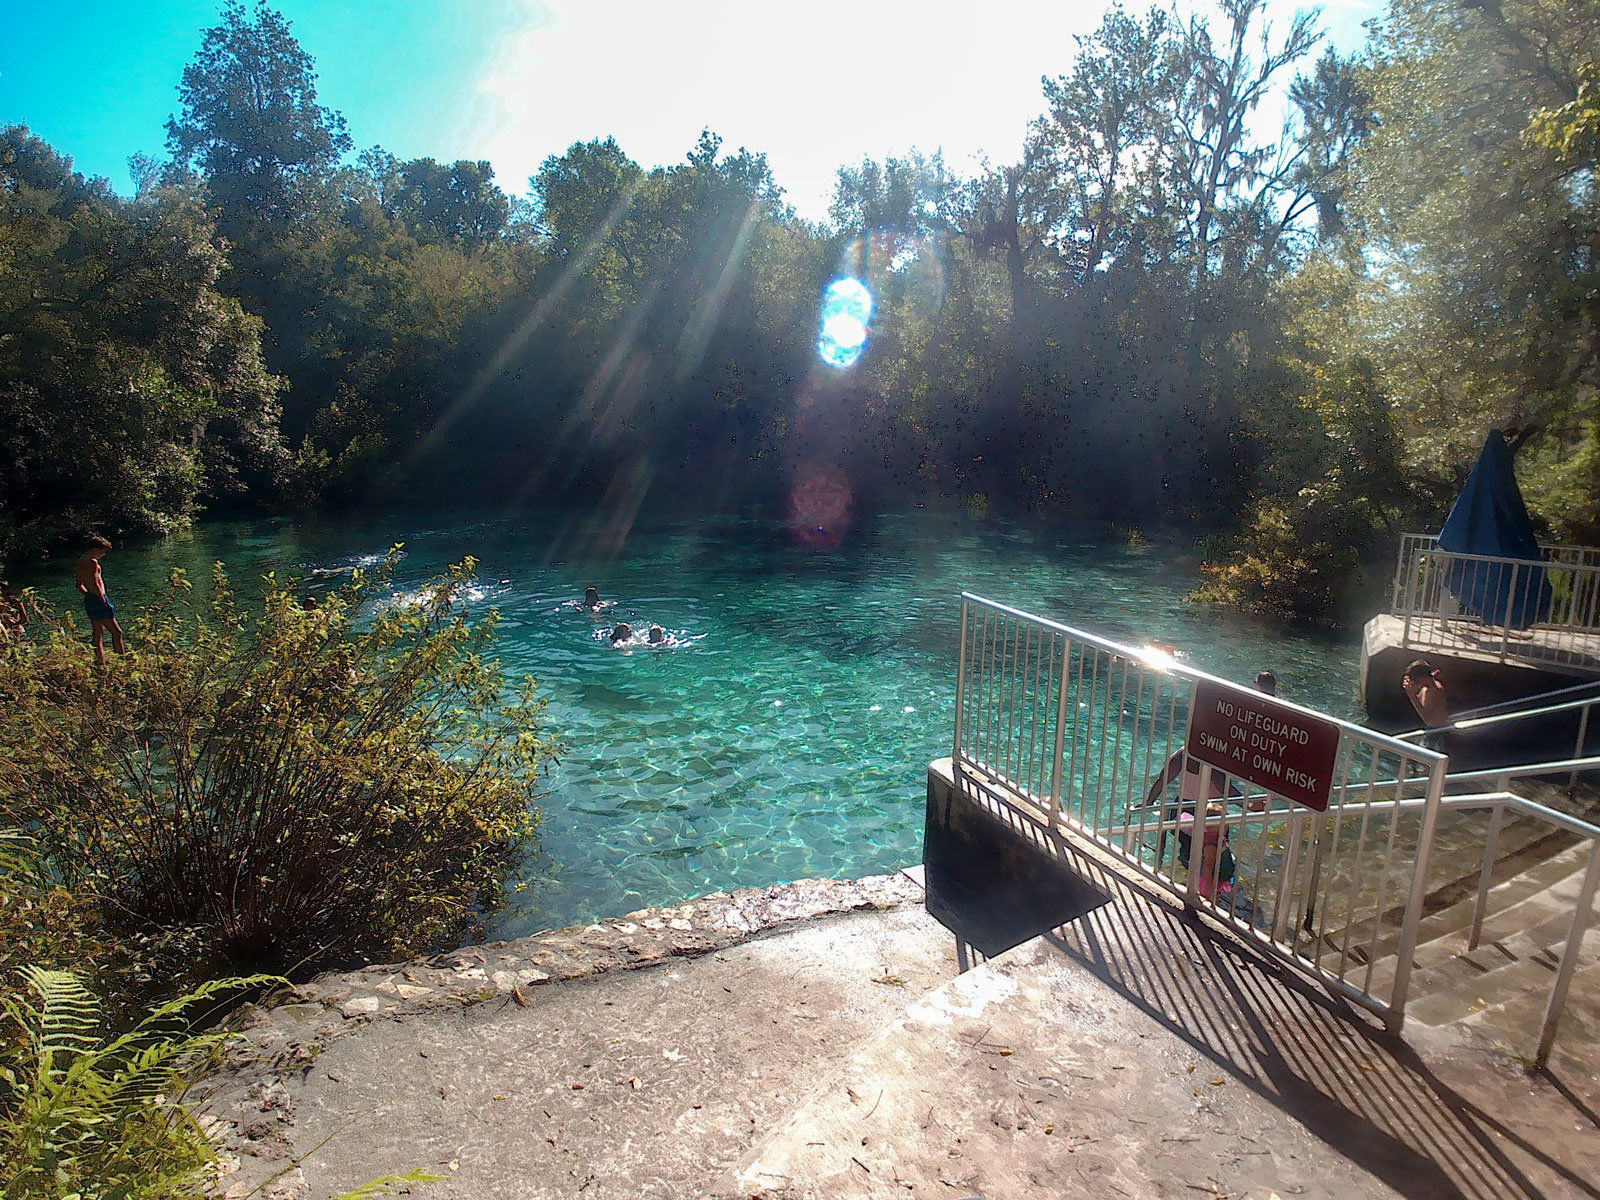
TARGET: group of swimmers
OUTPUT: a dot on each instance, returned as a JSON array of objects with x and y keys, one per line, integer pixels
[{"x": 622, "y": 633}]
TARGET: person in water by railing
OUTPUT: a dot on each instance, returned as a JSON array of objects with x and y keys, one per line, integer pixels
[
  {"x": 1424, "y": 687},
  {"x": 1217, "y": 866}
]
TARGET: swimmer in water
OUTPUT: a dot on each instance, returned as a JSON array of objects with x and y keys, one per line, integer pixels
[
  {"x": 658, "y": 636},
  {"x": 622, "y": 632},
  {"x": 591, "y": 602}
]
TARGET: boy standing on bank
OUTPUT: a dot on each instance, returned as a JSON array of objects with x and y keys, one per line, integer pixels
[{"x": 95, "y": 601}]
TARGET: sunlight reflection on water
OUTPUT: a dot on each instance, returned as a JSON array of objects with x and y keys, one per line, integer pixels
[{"x": 789, "y": 735}]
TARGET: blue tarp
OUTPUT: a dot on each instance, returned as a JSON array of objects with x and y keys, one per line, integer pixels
[{"x": 1489, "y": 518}]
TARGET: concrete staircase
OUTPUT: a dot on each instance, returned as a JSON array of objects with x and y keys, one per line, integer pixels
[{"x": 1501, "y": 988}]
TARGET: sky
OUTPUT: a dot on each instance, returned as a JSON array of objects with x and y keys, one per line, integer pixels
[{"x": 514, "y": 81}]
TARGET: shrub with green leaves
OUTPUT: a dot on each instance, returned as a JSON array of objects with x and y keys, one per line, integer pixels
[{"x": 272, "y": 783}]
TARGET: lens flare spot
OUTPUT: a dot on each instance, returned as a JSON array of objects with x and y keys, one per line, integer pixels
[
  {"x": 821, "y": 507},
  {"x": 846, "y": 310}
]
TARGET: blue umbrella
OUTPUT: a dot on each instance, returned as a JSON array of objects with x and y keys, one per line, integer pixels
[{"x": 1490, "y": 519}]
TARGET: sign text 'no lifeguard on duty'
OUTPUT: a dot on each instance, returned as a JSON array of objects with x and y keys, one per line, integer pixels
[{"x": 1254, "y": 737}]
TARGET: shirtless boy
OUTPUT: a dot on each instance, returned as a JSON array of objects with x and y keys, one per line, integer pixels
[
  {"x": 95, "y": 601},
  {"x": 13, "y": 613}
]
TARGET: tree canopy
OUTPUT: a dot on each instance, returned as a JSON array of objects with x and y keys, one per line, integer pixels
[{"x": 1167, "y": 308}]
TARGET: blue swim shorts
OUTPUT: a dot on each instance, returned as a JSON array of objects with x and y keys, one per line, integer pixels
[{"x": 97, "y": 609}]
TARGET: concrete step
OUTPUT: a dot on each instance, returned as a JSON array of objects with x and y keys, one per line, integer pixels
[
  {"x": 1518, "y": 975},
  {"x": 1456, "y": 917},
  {"x": 1514, "y": 1024},
  {"x": 1545, "y": 916},
  {"x": 1447, "y": 976}
]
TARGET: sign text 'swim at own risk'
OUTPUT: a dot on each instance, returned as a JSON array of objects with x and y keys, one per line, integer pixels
[{"x": 1253, "y": 737}]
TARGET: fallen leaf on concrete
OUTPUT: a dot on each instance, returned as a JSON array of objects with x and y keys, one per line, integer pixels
[
  {"x": 577, "y": 1087},
  {"x": 891, "y": 980},
  {"x": 516, "y": 994},
  {"x": 634, "y": 1083}
]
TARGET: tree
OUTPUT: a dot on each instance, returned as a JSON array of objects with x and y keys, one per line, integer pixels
[
  {"x": 1484, "y": 220},
  {"x": 251, "y": 124},
  {"x": 459, "y": 202},
  {"x": 129, "y": 386}
]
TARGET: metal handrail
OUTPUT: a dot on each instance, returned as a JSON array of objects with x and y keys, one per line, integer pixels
[
  {"x": 1504, "y": 718},
  {"x": 1497, "y": 803},
  {"x": 1568, "y": 630},
  {"x": 1517, "y": 705},
  {"x": 1584, "y": 706},
  {"x": 1075, "y": 725}
]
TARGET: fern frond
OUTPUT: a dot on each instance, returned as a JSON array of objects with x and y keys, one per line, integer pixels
[
  {"x": 67, "y": 1018},
  {"x": 385, "y": 1185}
]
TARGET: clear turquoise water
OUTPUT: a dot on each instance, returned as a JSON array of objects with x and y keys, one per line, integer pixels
[{"x": 790, "y": 737}]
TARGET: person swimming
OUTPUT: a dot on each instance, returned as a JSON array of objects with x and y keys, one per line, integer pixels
[
  {"x": 658, "y": 636},
  {"x": 591, "y": 602},
  {"x": 621, "y": 632}
]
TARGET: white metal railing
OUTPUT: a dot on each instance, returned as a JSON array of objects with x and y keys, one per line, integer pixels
[
  {"x": 1078, "y": 727},
  {"x": 1545, "y": 611},
  {"x": 1499, "y": 720}
]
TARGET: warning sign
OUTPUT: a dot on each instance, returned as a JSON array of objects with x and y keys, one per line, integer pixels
[{"x": 1255, "y": 737}]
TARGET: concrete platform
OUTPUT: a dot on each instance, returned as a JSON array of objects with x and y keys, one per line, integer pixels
[
  {"x": 1474, "y": 673},
  {"x": 1131, "y": 1052},
  {"x": 1138, "y": 1053}
]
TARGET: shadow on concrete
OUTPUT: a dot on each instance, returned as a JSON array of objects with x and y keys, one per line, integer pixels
[
  {"x": 993, "y": 889},
  {"x": 1400, "y": 1111}
]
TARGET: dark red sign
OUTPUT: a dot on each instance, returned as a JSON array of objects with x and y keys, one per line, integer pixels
[{"x": 1255, "y": 737}]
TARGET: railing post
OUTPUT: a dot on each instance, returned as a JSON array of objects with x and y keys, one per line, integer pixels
[
  {"x": 1485, "y": 875},
  {"x": 1287, "y": 877},
  {"x": 1400, "y": 568},
  {"x": 1583, "y": 736},
  {"x": 1505, "y": 624},
  {"x": 1197, "y": 834},
  {"x": 1419, "y": 891},
  {"x": 1061, "y": 723},
  {"x": 961, "y": 694},
  {"x": 1569, "y": 958}
]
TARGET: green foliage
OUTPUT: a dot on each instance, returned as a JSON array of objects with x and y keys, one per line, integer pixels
[
  {"x": 90, "y": 1115},
  {"x": 41, "y": 921},
  {"x": 129, "y": 386},
  {"x": 1115, "y": 324},
  {"x": 251, "y": 123},
  {"x": 1296, "y": 560},
  {"x": 276, "y": 785},
  {"x": 1484, "y": 237}
]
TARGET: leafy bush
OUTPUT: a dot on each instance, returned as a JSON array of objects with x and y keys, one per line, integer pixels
[
  {"x": 278, "y": 785},
  {"x": 40, "y": 920},
  {"x": 1294, "y": 563}
]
